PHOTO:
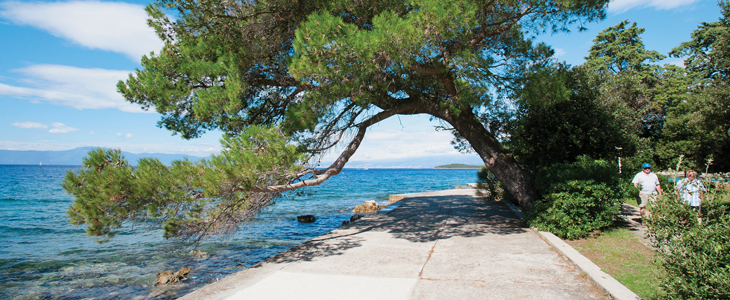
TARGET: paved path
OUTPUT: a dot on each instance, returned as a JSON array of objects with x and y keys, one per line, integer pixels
[
  {"x": 632, "y": 220},
  {"x": 441, "y": 245}
]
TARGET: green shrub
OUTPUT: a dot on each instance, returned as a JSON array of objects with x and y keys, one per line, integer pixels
[
  {"x": 488, "y": 186},
  {"x": 695, "y": 256},
  {"x": 575, "y": 209},
  {"x": 577, "y": 198}
]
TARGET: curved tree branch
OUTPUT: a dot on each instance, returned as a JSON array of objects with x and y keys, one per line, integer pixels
[
  {"x": 328, "y": 130},
  {"x": 338, "y": 164}
]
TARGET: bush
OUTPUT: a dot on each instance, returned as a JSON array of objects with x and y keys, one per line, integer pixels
[
  {"x": 695, "y": 256},
  {"x": 488, "y": 186},
  {"x": 578, "y": 198}
]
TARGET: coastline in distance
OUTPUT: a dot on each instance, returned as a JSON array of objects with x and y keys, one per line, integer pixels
[
  {"x": 458, "y": 166},
  {"x": 74, "y": 157}
]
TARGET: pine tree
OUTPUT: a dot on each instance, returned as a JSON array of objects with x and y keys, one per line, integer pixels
[{"x": 290, "y": 79}]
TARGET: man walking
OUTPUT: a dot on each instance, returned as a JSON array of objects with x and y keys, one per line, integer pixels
[
  {"x": 648, "y": 185},
  {"x": 691, "y": 190}
]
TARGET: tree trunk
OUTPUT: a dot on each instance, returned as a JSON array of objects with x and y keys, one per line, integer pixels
[{"x": 518, "y": 181}]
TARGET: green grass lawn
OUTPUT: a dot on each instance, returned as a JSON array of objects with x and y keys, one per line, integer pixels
[
  {"x": 620, "y": 254},
  {"x": 631, "y": 201}
]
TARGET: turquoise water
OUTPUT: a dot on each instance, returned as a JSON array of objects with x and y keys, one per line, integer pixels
[{"x": 43, "y": 257}]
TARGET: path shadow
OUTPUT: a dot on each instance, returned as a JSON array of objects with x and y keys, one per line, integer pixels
[
  {"x": 318, "y": 248},
  {"x": 418, "y": 220},
  {"x": 426, "y": 219}
]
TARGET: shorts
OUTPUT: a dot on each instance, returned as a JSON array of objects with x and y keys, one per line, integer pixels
[{"x": 644, "y": 199}]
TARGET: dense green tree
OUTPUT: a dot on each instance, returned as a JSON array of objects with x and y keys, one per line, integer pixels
[
  {"x": 559, "y": 117},
  {"x": 618, "y": 49},
  {"x": 708, "y": 53},
  {"x": 626, "y": 74},
  {"x": 698, "y": 125},
  {"x": 698, "y": 129},
  {"x": 599, "y": 109},
  {"x": 662, "y": 99},
  {"x": 304, "y": 77}
]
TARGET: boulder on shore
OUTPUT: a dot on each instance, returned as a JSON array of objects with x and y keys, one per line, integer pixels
[{"x": 367, "y": 208}]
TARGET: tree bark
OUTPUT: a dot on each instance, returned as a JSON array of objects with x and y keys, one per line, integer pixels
[{"x": 518, "y": 181}]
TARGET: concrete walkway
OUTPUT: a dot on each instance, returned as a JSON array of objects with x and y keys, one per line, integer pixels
[
  {"x": 632, "y": 220},
  {"x": 441, "y": 245}
]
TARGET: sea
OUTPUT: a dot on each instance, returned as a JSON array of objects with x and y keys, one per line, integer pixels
[{"x": 44, "y": 257}]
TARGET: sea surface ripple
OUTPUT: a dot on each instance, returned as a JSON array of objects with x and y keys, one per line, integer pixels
[{"x": 44, "y": 257}]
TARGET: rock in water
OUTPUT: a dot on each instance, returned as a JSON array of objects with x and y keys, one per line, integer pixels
[
  {"x": 170, "y": 277},
  {"x": 354, "y": 218},
  {"x": 367, "y": 208},
  {"x": 165, "y": 278},
  {"x": 306, "y": 219},
  {"x": 184, "y": 271},
  {"x": 197, "y": 254}
]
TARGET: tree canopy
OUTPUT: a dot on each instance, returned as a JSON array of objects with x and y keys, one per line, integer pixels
[
  {"x": 708, "y": 53},
  {"x": 288, "y": 80},
  {"x": 618, "y": 49},
  {"x": 654, "y": 113},
  {"x": 698, "y": 122}
]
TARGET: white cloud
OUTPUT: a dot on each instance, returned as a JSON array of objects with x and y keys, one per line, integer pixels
[
  {"x": 128, "y": 135},
  {"x": 92, "y": 132},
  {"x": 61, "y": 128},
  {"x": 112, "y": 26},
  {"x": 405, "y": 141},
  {"x": 157, "y": 147},
  {"x": 79, "y": 88},
  {"x": 401, "y": 138},
  {"x": 559, "y": 52},
  {"x": 393, "y": 144},
  {"x": 56, "y": 127},
  {"x": 619, "y": 6},
  {"x": 29, "y": 125}
]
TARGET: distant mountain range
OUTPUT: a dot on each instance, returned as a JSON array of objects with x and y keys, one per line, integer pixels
[
  {"x": 74, "y": 157},
  {"x": 459, "y": 166},
  {"x": 426, "y": 162}
]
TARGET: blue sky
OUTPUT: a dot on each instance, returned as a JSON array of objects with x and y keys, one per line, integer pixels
[{"x": 61, "y": 61}]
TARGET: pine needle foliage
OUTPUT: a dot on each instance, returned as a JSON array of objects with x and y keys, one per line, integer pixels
[{"x": 192, "y": 200}]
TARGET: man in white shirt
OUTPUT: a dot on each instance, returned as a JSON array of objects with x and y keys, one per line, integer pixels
[{"x": 648, "y": 185}]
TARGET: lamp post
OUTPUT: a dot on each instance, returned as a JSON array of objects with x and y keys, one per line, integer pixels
[{"x": 619, "y": 158}]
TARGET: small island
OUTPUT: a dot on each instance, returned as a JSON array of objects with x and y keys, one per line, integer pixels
[{"x": 457, "y": 166}]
